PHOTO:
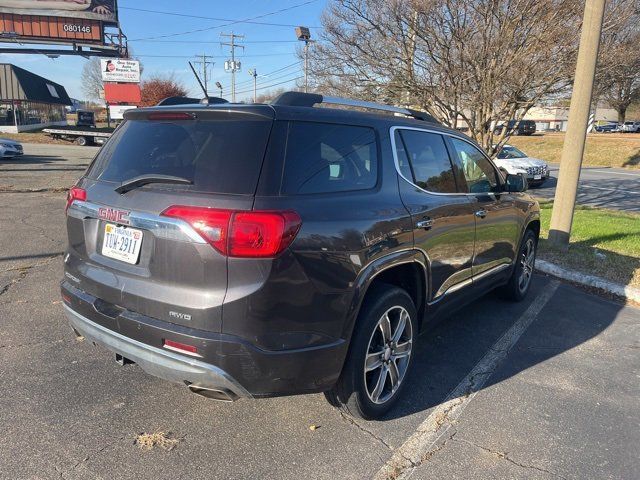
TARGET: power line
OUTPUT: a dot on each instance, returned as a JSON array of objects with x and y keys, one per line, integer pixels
[
  {"x": 231, "y": 22},
  {"x": 250, "y": 20},
  {"x": 208, "y": 41},
  {"x": 217, "y": 56},
  {"x": 273, "y": 84},
  {"x": 279, "y": 70}
]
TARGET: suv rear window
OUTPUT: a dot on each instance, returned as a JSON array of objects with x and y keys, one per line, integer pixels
[
  {"x": 218, "y": 156},
  {"x": 323, "y": 157}
]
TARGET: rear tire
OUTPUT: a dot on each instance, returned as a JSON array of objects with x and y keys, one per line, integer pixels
[
  {"x": 520, "y": 281},
  {"x": 81, "y": 141},
  {"x": 380, "y": 355}
]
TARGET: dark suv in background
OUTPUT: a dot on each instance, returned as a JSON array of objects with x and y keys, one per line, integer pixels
[
  {"x": 265, "y": 250},
  {"x": 523, "y": 127}
]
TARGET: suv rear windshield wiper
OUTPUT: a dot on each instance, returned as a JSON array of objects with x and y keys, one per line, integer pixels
[{"x": 141, "y": 180}]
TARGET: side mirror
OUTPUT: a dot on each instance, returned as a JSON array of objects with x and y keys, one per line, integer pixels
[{"x": 516, "y": 183}]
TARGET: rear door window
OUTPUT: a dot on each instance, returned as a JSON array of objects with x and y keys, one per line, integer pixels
[
  {"x": 218, "y": 156},
  {"x": 324, "y": 157},
  {"x": 428, "y": 163}
]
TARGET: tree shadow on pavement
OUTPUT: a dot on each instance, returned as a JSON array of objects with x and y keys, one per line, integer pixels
[
  {"x": 31, "y": 160},
  {"x": 633, "y": 161}
]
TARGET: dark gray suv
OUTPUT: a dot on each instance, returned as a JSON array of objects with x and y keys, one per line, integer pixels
[{"x": 266, "y": 250}]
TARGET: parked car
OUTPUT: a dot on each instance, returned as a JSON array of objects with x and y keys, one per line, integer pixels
[
  {"x": 630, "y": 127},
  {"x": 607, "y": 127},
  {"x": 515, "y": 161},
  {"x": 305, "y": 260},
  {"x": 10, "y": 148},
  {"x": 523, "y": 127}
]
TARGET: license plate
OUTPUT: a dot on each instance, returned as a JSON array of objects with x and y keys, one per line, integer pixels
[
  {"x": 121, "y": 243},
  {"x": 537, "y": 177}
]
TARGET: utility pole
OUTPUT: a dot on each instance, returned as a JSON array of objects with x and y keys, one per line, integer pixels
[
  {"x": 254, "y": 73},
  {"x": 574, "y": 140},
  {"x": 205, "y": 62},
  {"x": 232, "y": 65}
]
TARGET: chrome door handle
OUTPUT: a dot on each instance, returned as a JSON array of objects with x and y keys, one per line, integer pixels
[
  {"x": 481, "y": 213},
  {"x": 426, "y": 224}
]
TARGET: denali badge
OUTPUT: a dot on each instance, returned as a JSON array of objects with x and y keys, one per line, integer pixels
[
  {"x": 114, "y": 215},
  {"x": 180, "y": 316}
]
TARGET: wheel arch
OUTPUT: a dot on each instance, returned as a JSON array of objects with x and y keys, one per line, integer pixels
[{"x": 408, "y": 269}]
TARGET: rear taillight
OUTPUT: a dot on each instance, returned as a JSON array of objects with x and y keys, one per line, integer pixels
[
  {"x": 75, "y": 193},
  {"x": 247, "y": 234}
]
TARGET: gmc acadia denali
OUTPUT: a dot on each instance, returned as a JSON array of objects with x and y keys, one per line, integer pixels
[{"x": 265, "y": 250}]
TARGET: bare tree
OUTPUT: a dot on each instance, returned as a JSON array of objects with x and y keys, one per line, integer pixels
[
  {"x": 92, "y": 79},
  {"x": 618, "y": 74},
  {"x": 481, "y": 61}
]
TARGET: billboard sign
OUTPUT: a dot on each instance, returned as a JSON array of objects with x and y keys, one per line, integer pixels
[
  {"x": 115, "y": 70},
  {"x": 100, "y": 10}
]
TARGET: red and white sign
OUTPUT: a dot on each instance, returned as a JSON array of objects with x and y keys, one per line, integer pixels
[{"x": 117, "y": 70}]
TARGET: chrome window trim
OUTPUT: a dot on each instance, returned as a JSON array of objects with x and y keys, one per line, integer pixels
[
  {"x": 161, "y": 227},
  {"x": 392, "y": 132}
]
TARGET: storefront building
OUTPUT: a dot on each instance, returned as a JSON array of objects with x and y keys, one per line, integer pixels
[{"x": 29, "y": 101}]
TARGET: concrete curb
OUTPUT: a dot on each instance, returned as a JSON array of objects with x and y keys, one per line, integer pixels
[{"x": 630, "y": 293}]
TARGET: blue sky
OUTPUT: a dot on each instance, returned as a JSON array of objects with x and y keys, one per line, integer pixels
[{"x": 274, "y": 46}]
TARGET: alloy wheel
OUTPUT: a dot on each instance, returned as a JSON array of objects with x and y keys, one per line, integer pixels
[
  {"x": 388, "y": 354},
  {"x": 527, "y": 263}
]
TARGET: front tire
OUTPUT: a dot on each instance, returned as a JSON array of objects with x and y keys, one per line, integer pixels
[
  {"x": 380, "y": 355},
  {"x": 520, "y": 281}
]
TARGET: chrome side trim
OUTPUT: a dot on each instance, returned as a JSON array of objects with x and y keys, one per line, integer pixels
[
  {"x": 458, "y": 286},
  {"x": 160, "y": 363},
  {"x": 492, "y": 271},
  {"x": 161, "y": 227}
]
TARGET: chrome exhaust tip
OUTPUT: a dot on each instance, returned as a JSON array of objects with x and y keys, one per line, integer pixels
[{"x": 219, "y": 394}]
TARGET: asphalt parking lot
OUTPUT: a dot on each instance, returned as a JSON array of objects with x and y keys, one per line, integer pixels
[
  {"x": 613, "y": 188},
  {"x": 548, "y": 388}
]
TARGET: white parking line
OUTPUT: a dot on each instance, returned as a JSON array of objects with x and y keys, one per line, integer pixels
[
  {"x": 617, "y": 190},
  {"x": 426, "y": 437}
]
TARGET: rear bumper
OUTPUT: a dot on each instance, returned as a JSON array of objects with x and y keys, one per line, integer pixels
[
  {"x": 157, "y": 362},
  {"x": 226, "y": 363}
]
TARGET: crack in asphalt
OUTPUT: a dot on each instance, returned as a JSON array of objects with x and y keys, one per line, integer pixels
[
  {"x": 23, "y": 271},
  {"x": 505, "y": 456},
  {"x": 88, "y": 457},
  {"x": 32, "y": 344},
  {"x": 10, "y": 189},
  {"x": 352, "y": 421}
]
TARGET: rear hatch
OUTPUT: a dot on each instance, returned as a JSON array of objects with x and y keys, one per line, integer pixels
[{"x": 127, "y": 245}]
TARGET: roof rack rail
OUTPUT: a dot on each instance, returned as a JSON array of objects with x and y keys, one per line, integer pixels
[
  {"x": 300, "y": 99},
  {"x": 190, "y": 101}
]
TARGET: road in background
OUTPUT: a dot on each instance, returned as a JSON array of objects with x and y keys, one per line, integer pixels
[
  {"x": 614, "y": 188},
  {"x": 564, "y": 403}
]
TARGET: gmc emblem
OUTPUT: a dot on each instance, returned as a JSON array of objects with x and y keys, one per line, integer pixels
[{"x": 114, "y": 215}]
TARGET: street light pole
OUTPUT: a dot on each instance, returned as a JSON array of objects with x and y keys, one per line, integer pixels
[
  {"x": 254, "y": 73},
  {"x": 306, "y": 66},
  {"x": 304, "y": 35},
  {"x": 573, "y": 148}
]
